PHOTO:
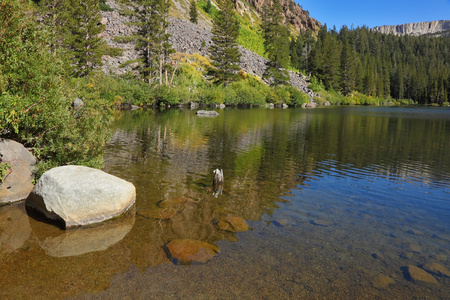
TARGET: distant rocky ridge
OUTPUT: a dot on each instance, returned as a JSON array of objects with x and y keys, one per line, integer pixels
[
  {"x": 186, "y": 38},
  {"x": 435, "y": 28}
]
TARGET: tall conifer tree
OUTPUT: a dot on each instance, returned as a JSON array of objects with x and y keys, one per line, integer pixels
[
  {"x": 55, "y": 15},
  {"x": 276, "y": 43},
  {"x": 81, "y": 37},
  {"x": 193, "y": 13},
  {"x": 347, "y": 69},
  {"x": 150, "y": 17},
  {"x": 224, "y": 51}
]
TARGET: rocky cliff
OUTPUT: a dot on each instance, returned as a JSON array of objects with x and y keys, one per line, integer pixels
[
  {"x": 186, "y": 37},
  {"x": 293, "y": 13},
  {"x": 422, "y": 28}
]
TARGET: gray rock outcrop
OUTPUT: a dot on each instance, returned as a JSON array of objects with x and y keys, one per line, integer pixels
[
  {"x": 18, "y": 184},
  {"x": 420, "y": 28},
  {"x": 186, "y": 37},
  {"x": 76, "y": 195},
  {"x": 207, "y": 113}
]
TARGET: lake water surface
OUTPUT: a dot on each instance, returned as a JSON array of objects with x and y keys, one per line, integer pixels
[{"x": 339, "y": 203}]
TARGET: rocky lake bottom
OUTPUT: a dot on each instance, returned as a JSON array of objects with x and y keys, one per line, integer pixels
[{"x": 335, "y": 203}]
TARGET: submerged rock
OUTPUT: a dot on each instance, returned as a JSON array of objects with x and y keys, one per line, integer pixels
[
  {"x": 280, "y": 222},
  {"x": 415, "y": 232},
  {"x": 382, "y": 281},
  {"x": 186, "y": 251},
  {"x": 18, "y": 183},
  {"x": 321, "y": 222},
  {"x": 77, "y": 195},
  {"x": 233, "y": 224},
  {"x": 420, "y": 276},
  {"x": 160, "y": 214},
  {"x": 437, "y": 269}
]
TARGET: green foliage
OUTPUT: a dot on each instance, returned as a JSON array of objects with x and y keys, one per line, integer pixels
[
  {"x": 150, "y": 17},
  {"x": 208, "y": 8},
  {"x": 105, "y": 7},
  {"x": 193, "y": 13},
  {"x": 241, "y": 93},
  {"x": 36, "y": 104},
  {"x": 5, "y": 168},
  {"x": 211, "y": 95},
  {"x": 82, "y": 38},
  {"x": 117, "y": 91},
  {"x": 384, "y": 66},
  {"x": 315, "y": 85},
  {"x": 276, "y": 43},
  {"x": 296, "y": 97},
  {"x": 224, "y": 51},
  {"x": 277, "y": 95},
  {"x": 250, "y": 36}
]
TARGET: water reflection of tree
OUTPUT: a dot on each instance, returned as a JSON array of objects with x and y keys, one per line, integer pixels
[{"x": 177, "y": 152}]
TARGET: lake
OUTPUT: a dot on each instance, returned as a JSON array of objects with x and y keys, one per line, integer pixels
[{"x": 329, "y": 203}]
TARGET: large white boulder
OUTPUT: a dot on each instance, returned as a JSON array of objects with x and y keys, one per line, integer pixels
[{"x": 76, "y": 195}]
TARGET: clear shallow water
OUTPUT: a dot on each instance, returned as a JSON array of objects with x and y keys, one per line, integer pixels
[{"x": 334, "y": 198}]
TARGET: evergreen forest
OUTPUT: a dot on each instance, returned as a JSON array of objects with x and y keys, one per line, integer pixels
[{"x": 376, "y": 64}]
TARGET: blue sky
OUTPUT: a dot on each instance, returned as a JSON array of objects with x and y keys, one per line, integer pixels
[{"x": 376, "y": 12}]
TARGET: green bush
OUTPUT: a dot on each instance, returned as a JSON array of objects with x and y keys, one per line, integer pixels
[
  {"x": 241, "y": 93},
  {"x": 278, "y": 95},
  {"x": 211, "y": 95},
  {"x": 315, "y": 85},
  {"x": 105, "y": 7},
  {"x": 296, "y": 98},
  {"x": 36, "y": 105},
  {"x": 201, "y": 4}
]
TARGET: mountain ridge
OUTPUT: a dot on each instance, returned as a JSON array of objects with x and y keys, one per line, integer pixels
[{"x": 434, "y": 28}]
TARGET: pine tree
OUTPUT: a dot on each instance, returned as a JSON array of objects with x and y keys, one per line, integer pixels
[
  {"x": 208, "y": 7},
  {"x": 347, "y": 69},
  {"x": 359, "y": 75},
  {"x": 193, "y": 13},
  {"x": 294, "y": 56},
  {"x": 55, "y": 15},
  {"x": 85, "y": 46},
  {"x": 387, "y": 84},
  {"x": 276, "y": 43},
  {"x": 224, "y": 51},
  {"x": 152, "y": 40},
  {"x": 331, "y": 64}
]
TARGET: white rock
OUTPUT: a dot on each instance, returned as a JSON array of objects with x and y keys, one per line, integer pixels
[{"x": 77, "y": 195}]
